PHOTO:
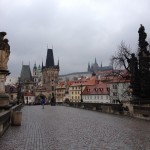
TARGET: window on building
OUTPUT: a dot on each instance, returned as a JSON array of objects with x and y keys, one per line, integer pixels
[
  {"x": 108, "y": 89},
  {"x": 88, "y": 90},
  {"x": 115, "y": 86},
  {"x": 101, "y": 89}
]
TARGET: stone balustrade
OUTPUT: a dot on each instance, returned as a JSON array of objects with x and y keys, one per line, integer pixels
[
  {"x": 102, "y": 107},
  {"x": 5, "y": 118},
  {"x": 4, "y": 121}
]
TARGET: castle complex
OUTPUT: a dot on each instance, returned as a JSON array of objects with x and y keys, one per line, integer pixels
[{"x": 95, "y": 67}]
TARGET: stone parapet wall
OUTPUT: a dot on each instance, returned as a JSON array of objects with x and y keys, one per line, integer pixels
[
  {"x": 4, "y": 121},
  {"x": 107, "y": 108},
  {"x": 6, "y": 116},
  {"x": 142, "y": 112},
  {"x": 127, "y": 109}
]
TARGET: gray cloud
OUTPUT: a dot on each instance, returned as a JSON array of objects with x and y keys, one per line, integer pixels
[{"x": 79, "y": 30}]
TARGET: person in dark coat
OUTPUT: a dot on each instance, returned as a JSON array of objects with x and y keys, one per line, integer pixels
[
  {"x": 43, "y": 102},
  {"x": 53, "y": 101}
]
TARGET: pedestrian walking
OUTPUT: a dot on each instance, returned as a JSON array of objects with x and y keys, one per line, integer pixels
[
  {"x": 43, "y": 102},
  {"x": 53, "y": 101}
]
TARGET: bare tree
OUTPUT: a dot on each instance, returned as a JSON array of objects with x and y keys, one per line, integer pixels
[{"x": 120, "y": 59}]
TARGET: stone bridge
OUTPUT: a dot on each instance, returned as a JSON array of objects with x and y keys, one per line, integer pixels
[{"x": 68, "y": 128}]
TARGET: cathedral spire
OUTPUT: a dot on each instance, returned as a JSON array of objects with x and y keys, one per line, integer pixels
[
  {"x": 95, "y": 61},
  {"x": 35, "y": 67},
  {"x": 89, "y": 68}
]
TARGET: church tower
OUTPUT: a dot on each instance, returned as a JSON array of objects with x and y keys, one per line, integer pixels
[
  {"x": 27, "y": 84},
  {"x": 50, "y": 73},
  {"x": 35, "y": 74}
]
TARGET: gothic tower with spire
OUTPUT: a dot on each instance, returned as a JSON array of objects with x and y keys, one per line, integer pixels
[{"x": 50, "y": 73}]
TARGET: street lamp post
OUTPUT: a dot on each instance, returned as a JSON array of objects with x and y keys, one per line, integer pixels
[
  {"x": 19, "y": 91},
  {"x": 81, "y": 93}
]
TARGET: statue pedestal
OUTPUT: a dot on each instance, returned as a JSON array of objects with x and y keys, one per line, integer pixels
[{"x": 4, "y": 98}]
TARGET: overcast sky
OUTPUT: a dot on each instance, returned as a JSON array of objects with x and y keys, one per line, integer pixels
[{"x": 78, "y": 30}]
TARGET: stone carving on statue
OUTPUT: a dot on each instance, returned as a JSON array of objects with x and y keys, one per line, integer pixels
[
  {"x": 133, "y": 64},
  {"x": 4, "y": 57},
  {"x": 142, "y": 36},
  {"x": 4, "y": 51}
]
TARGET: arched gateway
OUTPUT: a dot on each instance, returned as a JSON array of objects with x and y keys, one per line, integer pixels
[{"x": 38, "y": 99}]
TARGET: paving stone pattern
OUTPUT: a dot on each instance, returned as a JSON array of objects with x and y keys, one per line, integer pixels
[{"x": 66, "y": 128}]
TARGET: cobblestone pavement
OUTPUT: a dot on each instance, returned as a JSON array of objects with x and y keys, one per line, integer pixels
[{"x": 66, "y": 128}]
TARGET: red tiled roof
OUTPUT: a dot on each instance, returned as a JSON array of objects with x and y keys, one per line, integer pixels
[
  {"x": 85, "y": 81},
  {"x": 119, "y": 80},
  {"x": 99, "y": 89},
  {"x": 62, "y": 83},
  {"x": 69, "y": 83}
]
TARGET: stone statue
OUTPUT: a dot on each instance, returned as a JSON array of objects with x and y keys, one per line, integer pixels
[
  {"x": 144, "y": 63},
  {"x": 4, "y": 57},
  {"x": 133, "y": 64},
  {"x": 4, "y": 51},
  {"x": 135, "y": 76},
  {"x": 142, "y": 36},
  {"x": 139, "y": 68}
]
